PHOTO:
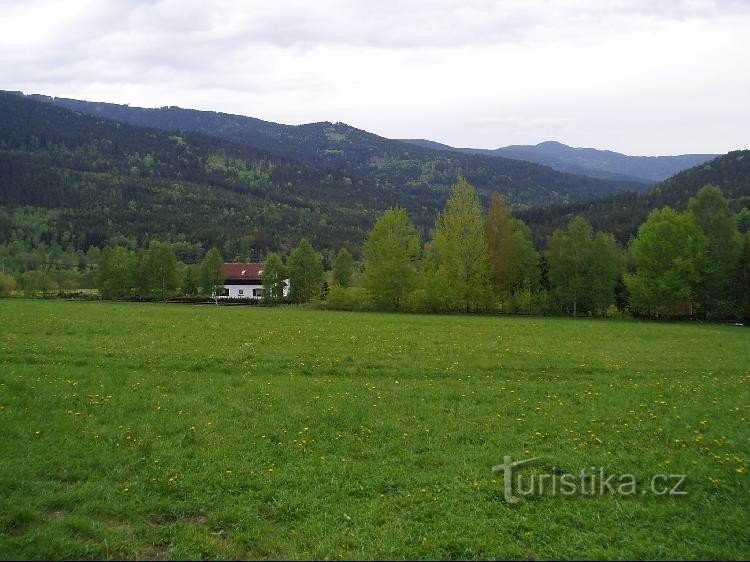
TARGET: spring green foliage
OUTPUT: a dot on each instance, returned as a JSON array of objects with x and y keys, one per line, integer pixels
[
  {"x": 502, "y": 245},
  {"x": 741, "y": 278},
  {"x": 305, "y": 273},
  {"x": 669, "y": 260},
  {"x": 719, "y": 224},
  {"x": 583, "y": 268},
  {"x": 391, "y": 252},
  {"x": 348, "y": 298},
  {"x": 211, "y": 272},
  {"x": 189, "y": 287},
  {"x": 343, "y": 268},
  {"x": 621, "y": 214},
  {"x": 461, "y": 252},
  {"x": 159, "y": 271},
  {"x": 527, "y": 275},
  {"x": 274, "y": 275},
  {"x": 135, "y": 431},
  {"x": 7, "y": 284},
  {"x": 116, "y": 273}
]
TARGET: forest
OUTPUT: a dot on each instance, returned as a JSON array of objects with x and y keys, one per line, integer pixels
[{"x": 83, "y": 197}]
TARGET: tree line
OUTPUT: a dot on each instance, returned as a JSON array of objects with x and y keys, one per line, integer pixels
[{"x": 692, "y": 263}]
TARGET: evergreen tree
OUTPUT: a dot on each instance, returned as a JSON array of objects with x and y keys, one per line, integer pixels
[
  {"x": 305, "y": 273},
  {"x": 460, "y": 246}
]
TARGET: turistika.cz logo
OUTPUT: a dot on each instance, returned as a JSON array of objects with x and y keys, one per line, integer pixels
[{"x": 591, "y": 481}]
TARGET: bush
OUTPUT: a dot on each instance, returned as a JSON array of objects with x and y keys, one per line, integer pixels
[
  {"x": 349, "y": 298},
  {"x": 7, "y": 284}
]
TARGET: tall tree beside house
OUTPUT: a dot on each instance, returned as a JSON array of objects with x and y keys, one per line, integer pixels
[
  {"x": 274, "y": 276},
  {"x": 188, "y": 285},
  {"x": 343, "y": 268},
  {"x": 391, "y": 252},
  {"x": 714, "y": 292},
  {"x": 115, "y": 276},
  {"x": 503, "y": 247},
  {"x": 305, "y": 273},
  {"x": 461, "y": 250},
  {"x": 669, "y": 262},
  {"x": 160, "y": 271},
  {"x": 211, "y": 272}
]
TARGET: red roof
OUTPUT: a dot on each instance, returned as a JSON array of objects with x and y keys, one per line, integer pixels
[{"x": 242, "y": 270}]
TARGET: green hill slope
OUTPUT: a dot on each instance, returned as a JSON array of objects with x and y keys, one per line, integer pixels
[
  {"x": 623, "y": 213},
  {"x": 360, "y": 155}
]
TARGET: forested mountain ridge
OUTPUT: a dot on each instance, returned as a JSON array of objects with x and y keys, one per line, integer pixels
[
  {"x": 361, "y": 155},
  {"x": 622, "y": 213},
  {"x": 79, "y": 181},
  {"x": 604, "y": 164}
]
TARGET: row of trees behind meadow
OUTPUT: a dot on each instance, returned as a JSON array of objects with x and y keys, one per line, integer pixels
[{"x": 694, "y": 263}]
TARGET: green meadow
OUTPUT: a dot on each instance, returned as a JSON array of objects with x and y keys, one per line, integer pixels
[{"x": 174, "y": 431}]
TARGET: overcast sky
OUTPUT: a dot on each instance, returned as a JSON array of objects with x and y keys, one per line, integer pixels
[{"x": 640, "y": 77}]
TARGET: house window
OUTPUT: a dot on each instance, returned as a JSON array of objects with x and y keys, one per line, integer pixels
[
  {"x": 257, "y": 292},
  {"x": 240, "y": 292}
]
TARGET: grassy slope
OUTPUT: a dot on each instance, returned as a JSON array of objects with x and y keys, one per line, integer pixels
[{"x": 172, "y": 432}]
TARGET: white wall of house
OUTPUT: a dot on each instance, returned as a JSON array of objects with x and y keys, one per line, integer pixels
[
  {"x": 244, "y": 291},
  {"x": 249, "y": 291}
]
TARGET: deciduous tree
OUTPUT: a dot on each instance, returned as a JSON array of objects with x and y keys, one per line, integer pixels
[
  {"x": 211, "y": 272},
  {"x": 343, "y": 268},
  {"x": 714, "y": 292},
  {"x": 160, "y": 271},
  {"x": 668, "y": 255},
  {"x": 461, "y": 251},
  {"x": 274, "y": 276},
  {"x": 305, "y": 273},
  {"x": 391, "y": 252}
]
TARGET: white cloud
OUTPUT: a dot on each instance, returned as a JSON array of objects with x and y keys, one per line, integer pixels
[{"x": 635, "y": 76}]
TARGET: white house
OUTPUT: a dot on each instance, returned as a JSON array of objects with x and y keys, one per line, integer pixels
[{"x": 243, "y": 281}]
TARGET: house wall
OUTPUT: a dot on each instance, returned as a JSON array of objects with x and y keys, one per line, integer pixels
[
  {"x": 244, "y": 291},
  {"x": 249, "y": 291}
]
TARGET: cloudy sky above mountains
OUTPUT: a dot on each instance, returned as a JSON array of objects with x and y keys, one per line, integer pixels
[{"x": 640, "y": 77}]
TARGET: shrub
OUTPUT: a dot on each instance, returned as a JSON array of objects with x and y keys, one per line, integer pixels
[{"x": 349, "y": 298}]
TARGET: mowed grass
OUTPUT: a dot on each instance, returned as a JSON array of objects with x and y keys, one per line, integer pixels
[{"x": 158, "y": 431}]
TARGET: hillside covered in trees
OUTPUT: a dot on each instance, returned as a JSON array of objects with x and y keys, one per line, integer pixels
[
  {"x": 79, "y": 181},
  {"x": 589, "y": 161},
  {"x": 89, "y": 201},
  {"x": 360, "y": 155},
  {"x": 621, "y": 214}
]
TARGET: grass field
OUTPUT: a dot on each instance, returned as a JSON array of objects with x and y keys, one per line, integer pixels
[{"x": 158, "y": 431}]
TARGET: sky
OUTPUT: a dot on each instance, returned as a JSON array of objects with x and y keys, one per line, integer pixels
[{"x": 642, "y": 77}]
